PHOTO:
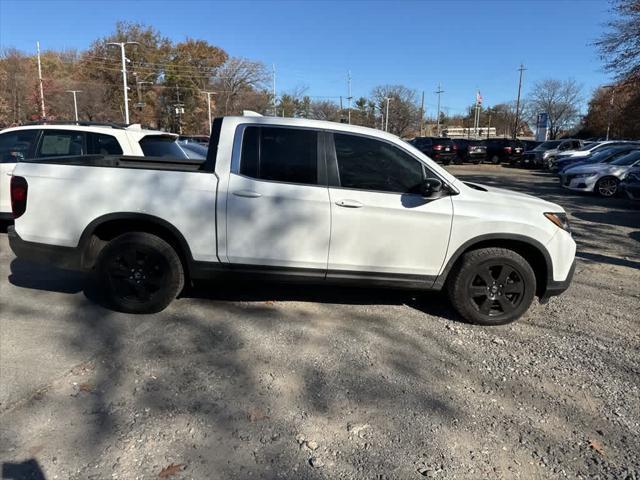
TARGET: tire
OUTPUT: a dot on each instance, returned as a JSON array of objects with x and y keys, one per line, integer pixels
[
  {"x": 495, "y": 159},
  {"x": 550, "y": 162},
  {"x": 607, "y": 187},
  {"x": 491, "y": 286},
  {"x": 139, "y": 273}
]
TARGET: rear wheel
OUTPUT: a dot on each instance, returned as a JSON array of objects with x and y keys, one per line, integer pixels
[
  {"x": 491, "y": 286},
  {"x": 140, "y": 273},
  {"x": 495, "y": 159},
  {"x": 607, "y": 186}
]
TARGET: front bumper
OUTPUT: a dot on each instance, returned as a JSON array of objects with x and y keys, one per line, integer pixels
[
  {"x": 555, "y": 288},
  {"x": 68, "y": 258},
  {"x": 578, "y": 184}
]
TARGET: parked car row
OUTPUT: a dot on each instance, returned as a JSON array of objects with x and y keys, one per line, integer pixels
[
  {"x": 459, "y": 150},
  {"x": 602, "y": 167}
]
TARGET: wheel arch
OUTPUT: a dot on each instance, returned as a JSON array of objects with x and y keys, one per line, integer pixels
[
  {"x": 107, "y": 227},
  {"x": 530, "y": 249}
]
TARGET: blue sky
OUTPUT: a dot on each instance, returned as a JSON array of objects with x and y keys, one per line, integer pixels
[{"x": 465, "y": 45}]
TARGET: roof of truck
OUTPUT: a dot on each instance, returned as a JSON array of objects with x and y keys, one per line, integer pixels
[{"x": 135, "y": 129}]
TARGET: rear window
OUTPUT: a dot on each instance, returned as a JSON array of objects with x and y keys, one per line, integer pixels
[
  {"x": 161, "y": 146},
  {"x": 99, "y": 144},
  {"x": 16, "y": 146}
]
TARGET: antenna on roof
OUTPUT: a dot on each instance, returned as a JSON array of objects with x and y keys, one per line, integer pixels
[{"x": 250, "y": 113}]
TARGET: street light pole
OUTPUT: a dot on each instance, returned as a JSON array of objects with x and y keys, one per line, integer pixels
[
  {"x": 44, "y": 115},
  {"x": 124, "y": 76},
  {"x": 439, "y": 92},
  {"x": 515, "y": 127},
  {"x": 386, "y": 125},
  {"x": 208, "y": 94},
  {"x": 75, "y": 102}
]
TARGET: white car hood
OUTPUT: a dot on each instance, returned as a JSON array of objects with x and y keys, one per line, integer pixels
[{"x": 501, "y": 195}]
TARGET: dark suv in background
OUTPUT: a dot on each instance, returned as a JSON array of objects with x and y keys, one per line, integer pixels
[
  {"x": 504, "y": 150},
  {"x": 438, "y": 149},
  {"x": 473, "y": 151}
]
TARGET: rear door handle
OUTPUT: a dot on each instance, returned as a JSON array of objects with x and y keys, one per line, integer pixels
[
  {"x": 349, "y": 203},
  {"x": 247, "y": 193}
]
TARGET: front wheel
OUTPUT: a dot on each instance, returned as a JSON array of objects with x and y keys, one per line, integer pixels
[
  {"x": 139, "y": 273},
  {"x": 491, "y": 286},
  {"x": 607, "y": 186}
]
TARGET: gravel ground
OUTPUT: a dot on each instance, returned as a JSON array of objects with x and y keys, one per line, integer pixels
[{"x": 261, "y": 381}]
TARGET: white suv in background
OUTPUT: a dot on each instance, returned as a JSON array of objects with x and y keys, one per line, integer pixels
[{"x": 63, "y": 140}]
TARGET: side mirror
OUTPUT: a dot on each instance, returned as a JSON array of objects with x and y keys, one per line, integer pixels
[{"x": 430, "y": 186}]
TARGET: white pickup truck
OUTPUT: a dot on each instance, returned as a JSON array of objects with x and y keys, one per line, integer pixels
[{"x": 294, "y": 200}]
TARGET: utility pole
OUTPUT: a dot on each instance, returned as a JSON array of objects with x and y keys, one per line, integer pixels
[
  {"x": 75, "y": 101},
  {"x": 439, "y": 92},
  {"x": 515, "y": 127},
  {"x": 273, "y": 77},
  {"x": 124, "y": 76},
  {"x": 44, "y": 116},
  {"x": 349, "y": 97},
  {"x": 179, "y": 109},
  {"x": 610, "y": 111},
  {"x": 139, "y": 84},
  {"x": 386, "y": 124},
  {"x": 208, "y": 94},
  {"x": 421, "y": 113},
  {"x": 489, "y": 126}
]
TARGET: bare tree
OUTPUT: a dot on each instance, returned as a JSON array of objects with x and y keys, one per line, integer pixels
[
  {"x": 325, "y": 110},
  {"x": 403, "y": 110},
  {"x": 620, "y": 46},
  {"x": 235, "y": 77},
  {"x": 560, "y": 100}
]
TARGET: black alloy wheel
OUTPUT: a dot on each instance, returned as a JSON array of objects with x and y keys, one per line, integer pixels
[
  {"x": 137, "y": 273},
  {"x": 491, "y": 286},
  {"x": 140, "y": 273},
  {"x": 496, "y": 289}
]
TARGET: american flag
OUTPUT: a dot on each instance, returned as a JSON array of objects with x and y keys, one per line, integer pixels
[{"x": 478, "y": 98}]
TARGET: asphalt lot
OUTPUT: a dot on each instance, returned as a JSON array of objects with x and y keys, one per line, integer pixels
[{"x": 266, "y": 381}]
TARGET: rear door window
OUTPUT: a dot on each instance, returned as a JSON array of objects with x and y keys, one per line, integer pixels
[
  {"x": 280, "y": 154},
  {"x": 161, "y": 146},
  {"x": 99, "y": 144},
  {"x": 61, "y": 143},
  {"x": 16, "y": 146}
]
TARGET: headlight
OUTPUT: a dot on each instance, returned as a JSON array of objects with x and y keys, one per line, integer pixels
[
  {"x": 560, "y": 219},
  {"x": 585, "y": 175}
]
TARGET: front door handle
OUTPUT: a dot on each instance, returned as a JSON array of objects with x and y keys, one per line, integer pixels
[
  {"x": 247, "y": 193},
  {"x": 349, "y": 203}
]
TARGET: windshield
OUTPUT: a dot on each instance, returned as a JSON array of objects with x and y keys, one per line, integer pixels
[
  {"x": 628, "y": 159},
  {"x": 161, "y": 146},
  {"x": 548, "y": 145},
  {"x": 602, "y": 155}
]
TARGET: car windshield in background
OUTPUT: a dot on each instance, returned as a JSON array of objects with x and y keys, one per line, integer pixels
[
  {"x": 548, "y": 145},
  {"x": 602, "y": 155},
  {"x": 161, "y": 146},
  {"x": 194, "y": 151},
  {"x": 627, "y": 160}
]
